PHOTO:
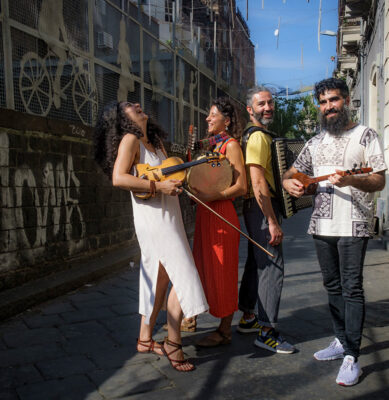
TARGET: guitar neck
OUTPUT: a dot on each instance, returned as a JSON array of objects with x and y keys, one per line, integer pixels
[
  {"x": 319, "y": 179},
  {"x": 342, "y": 173},
  {"x": 180, "y": 167}
]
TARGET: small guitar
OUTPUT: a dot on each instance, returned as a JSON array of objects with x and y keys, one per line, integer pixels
[
  {"x": 173, "y": 168},
  {"x": 310, "y": 184},
  {"x": 192, "y": 135}
]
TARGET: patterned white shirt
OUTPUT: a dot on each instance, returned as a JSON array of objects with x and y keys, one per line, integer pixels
[{"x": 344, "y": 211}]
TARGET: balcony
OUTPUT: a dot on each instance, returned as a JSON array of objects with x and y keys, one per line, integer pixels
[
  {"x": 357, "y": 8},
  {"x": 351, "y": 33},
  {"x": 347, "y": 62}
]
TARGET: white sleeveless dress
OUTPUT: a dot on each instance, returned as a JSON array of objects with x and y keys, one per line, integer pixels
[{"x": 162, "y": 238}]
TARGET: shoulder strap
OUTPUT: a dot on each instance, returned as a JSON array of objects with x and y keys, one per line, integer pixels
[
  {"x": 247, "y": 133},
  {"x": 223, "y": 146},
  {"x": 245, "y": 138}
]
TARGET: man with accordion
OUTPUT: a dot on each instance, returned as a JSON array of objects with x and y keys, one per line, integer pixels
[{"x": 263, "y": 275}]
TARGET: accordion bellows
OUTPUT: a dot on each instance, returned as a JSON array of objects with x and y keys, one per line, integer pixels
[{"x": 284, "y": 153}]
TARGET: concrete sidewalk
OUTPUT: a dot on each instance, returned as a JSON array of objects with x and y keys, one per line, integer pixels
[{"x": 82, "y": 345}]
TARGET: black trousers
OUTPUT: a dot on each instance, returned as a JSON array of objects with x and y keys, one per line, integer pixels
[
  {"x": 341, "y": 262},
  {"x": 263, "y": 276}
]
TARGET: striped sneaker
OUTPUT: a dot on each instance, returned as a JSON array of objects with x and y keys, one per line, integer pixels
[
  {"x": 273, "y": 341},
  {"x": 248, "y": 326}
]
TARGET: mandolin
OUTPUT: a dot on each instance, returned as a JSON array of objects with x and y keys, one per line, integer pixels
[
  {"x": 173, "y": 168},
  {"x": 192, "y": 135},
  {"x": 310, "y": 183}
]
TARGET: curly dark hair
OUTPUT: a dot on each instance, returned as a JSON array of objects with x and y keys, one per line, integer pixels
[
  {"x": 331, "y": 84},
  {"x": 111, "y": 126},
  {"x": 224, "y": 105}
]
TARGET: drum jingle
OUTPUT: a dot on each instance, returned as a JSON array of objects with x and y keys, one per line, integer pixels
[{"x": 210, "y": 177}]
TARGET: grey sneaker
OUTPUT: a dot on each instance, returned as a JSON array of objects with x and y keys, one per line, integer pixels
[
  {"x": 349, "y": 372},
  {"x": 273, "y": 341},
  {"x": 332, "y": 352}
]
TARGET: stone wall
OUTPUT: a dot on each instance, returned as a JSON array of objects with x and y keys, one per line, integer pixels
[{"x": 57, "y": 207}]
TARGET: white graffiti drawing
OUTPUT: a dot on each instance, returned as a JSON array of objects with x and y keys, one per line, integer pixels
[
  {"x": 76, "y": 130},
  {"x": 180, "y": 104},
  {"x": 192, "y": 88},
  {"x": 40, "y": 78},
  {"x": 56, "y": 183},
  {"x": 126, "y": 80},
  {"x": 159, "y": 79}
]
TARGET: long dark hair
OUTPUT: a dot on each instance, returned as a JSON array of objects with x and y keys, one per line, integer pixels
[
  {"x": 224, "y": 105},
  {"x": 111, "y": 126}
]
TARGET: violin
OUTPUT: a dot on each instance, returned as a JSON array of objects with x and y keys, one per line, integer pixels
[
  {"x": 310, "y": 183},
  {"x": 173, "y": 168}
]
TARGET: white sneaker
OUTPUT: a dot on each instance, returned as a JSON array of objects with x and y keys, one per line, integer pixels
[
  {"x": 332, "y": 352},
  {"x": 349, "y": 372}
]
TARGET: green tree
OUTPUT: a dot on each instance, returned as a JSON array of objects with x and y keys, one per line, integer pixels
[{"x": 295, "y": 117}]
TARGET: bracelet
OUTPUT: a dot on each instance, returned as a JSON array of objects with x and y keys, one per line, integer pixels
[
  {"x": 152, "y": 188},
  {"x": 224, "y": 194}
]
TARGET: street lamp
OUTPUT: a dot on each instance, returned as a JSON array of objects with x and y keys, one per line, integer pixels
[{"x": 328, "y": 33}]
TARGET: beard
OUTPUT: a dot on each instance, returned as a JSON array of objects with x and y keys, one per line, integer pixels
[
  {"x": 337, "y": 124},
  {"x": 260, "y": 118}
]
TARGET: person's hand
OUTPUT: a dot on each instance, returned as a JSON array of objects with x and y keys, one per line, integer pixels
[
  {"x": 170, "y": 187},
  {"x": 339, "y": 180},
  {"x": 276, "y": 234},
  {"x": 294, "y": 187}
]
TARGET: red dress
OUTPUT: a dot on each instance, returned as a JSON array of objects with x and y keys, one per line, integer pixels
[{"x": 216, "y": 253}]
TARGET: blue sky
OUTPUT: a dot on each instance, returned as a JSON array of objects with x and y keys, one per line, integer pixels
[{"x": 297, "y": 62}]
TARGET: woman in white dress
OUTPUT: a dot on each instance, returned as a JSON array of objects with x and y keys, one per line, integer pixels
[{"x": 124, "y": 137}]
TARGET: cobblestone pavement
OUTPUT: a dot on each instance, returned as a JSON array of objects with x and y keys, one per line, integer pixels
[{"x": 82, "y": 345}]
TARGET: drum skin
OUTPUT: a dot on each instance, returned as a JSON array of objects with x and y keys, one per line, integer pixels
[{"x": 210, "y": 177}]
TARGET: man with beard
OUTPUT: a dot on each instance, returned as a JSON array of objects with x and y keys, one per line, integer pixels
[
  {"x": 342, "y": 219},
  {"x": 263, "y": 276}
]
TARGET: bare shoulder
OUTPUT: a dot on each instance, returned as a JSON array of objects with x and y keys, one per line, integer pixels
[
  {"x": 129, "y": 139},
  {"x": 233, "y": 145},
  {"x": 129, "y": 142}
]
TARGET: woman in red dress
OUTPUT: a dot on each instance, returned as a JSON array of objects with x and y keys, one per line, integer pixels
[{"x": 216, "y": 244}]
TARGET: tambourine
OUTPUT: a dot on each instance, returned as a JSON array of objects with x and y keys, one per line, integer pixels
[{"x": 210, "y": 177}]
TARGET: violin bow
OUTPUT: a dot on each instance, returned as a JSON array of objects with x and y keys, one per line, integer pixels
[{"x": 197, "y": 200}]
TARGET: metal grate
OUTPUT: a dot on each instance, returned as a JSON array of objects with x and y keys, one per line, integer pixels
[
  {"x": 25, "y": 11},
  {"x": 161, "y": 112},
  {"x": 187, "y": 82},
  {"x": 2, "y": 81},
  {"x": 203, "y": 126},
  {"x": 207, "y": 92},
  {"x": 50, "y": 81},
  {"x": 56, "y": 74},
  {"x": 117, "y": 40},
  {"x": 157, "y": 66}
]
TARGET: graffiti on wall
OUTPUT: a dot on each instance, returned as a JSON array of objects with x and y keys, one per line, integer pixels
[
  {"x": 40, "y": 83},
  {"x": 56, "y": 212}
]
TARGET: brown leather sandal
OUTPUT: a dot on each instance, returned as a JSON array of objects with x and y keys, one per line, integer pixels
[
  {"x": 150, "y": 346},
  {"x": 175, "y": 363},
  {"x": 187, "y": 325},
  {"x": 210, "y": 341}
]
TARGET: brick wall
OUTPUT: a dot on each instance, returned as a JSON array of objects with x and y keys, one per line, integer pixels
[{"x": 56, "y": 205}]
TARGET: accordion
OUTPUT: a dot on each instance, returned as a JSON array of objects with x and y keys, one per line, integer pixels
[{"x": 284, "y": 152}]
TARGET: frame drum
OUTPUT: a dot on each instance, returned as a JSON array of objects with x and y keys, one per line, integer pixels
[{"x": 210, "y": 177}]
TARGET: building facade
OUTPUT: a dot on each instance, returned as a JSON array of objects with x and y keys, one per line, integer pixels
[{"x": 61, "y": 61}]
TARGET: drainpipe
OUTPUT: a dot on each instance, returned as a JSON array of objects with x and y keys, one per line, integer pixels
[{"x": 362, "y": 84}]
